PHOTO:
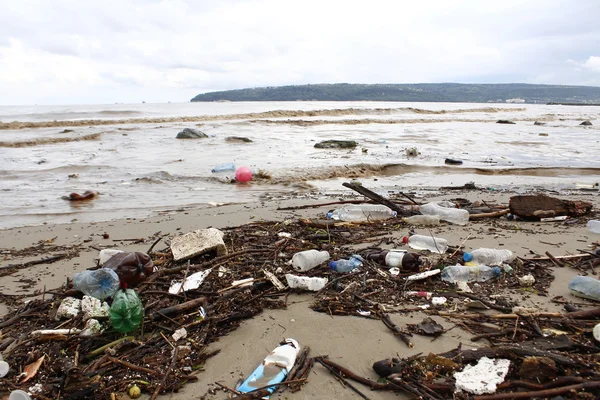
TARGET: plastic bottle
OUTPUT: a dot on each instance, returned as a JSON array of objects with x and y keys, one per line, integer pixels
[
  {"x": 224, "y": 167},
  {"x": 421, "y": 242},
  {"x": 346, "y": 265},
  {"x": 396, "y": 259},
  {"x": 426, "y": 220},
  {"x": 100, "y": 283},
  {"x": 126, "y": 312},
  {"x": 454, "y": 215},
  {"x": 4, "y": 367},
  {"x": 594, "y": 226},
  {"x": 460, "y": 273},
  {"x": 307, "y": 260},
  {"x": 586, "y": 287},
  {"x": 19, "y": 395},
  {"x": 489, "y": 256},
  {"x": 305, "y": 282},
  {"x": 362, "y": 212}
]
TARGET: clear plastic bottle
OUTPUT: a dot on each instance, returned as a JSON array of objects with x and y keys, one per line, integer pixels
[
  {"x": 489, "y": 256},
  {"x": 346, "y": 265},
  {"x": 421, "y": 242},
  {"x": 223, "y": 167},
  {"x": 308, "y": 259},
  {"x": 362, "y": 212},
  {"x": 100, "y": 283},
  {"x": 454, "y": 215},
  {"x": 593, "y": 226},
  {"x": 586, "y": 287},
  {"x": 426, "y": 220},
  {"x": 461, "y": 273}
]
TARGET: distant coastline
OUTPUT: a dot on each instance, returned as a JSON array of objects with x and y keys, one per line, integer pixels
[{"x": 512, "y": 93}]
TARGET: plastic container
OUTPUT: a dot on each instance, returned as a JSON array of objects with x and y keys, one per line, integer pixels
[
  {"x": 421, "y": 242},
  {"x": 101, "y": 283},
  {"x": 132, "y": 267},
  {"x": 460, "y": 273},
  {"x": 308, "y": 259},
  {"x": 313, "y": 284},
  {"x": 346, "y": 265},
  {"x": 489, "y": 256},
  {"x": 594, "y": 226},
  {"x": 425, "y": 220},
  {"x": 454, "y": 215},
  {"x": 396, "y": 259},
  {"x": 126, "y": 312},
  {"x": 586, "y": 287},
  {"x": 362, "y": 212},
  {"x": 106, "y": 254},
  {"x": 224, "y": 167},
  {"x": 4, "y": 367},
  {"x": 19, "y": 395}
]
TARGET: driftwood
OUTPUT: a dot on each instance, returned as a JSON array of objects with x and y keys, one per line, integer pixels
[
  {"x": 375, "y": 197},
  {"x": 534, "y": 207},
  {"x": 166, "y": 312},
  {"x": 490, "y": 214}
]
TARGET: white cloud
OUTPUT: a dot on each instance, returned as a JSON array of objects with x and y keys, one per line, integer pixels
[{"x": 69, "y": 51}]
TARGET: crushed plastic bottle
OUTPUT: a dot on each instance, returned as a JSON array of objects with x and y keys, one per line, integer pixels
[
  {"x": 308, "y": 259},
  {"x": 425, "y": 220},
  {"x": 348, "y": 265},
  {"x": 461, "y": 273},
  {"x": 421, "y": 242},
  {"x": 586, "y": 287},
  {"x": 594, "y": 226},
  {"x": 362, "y": 212},
  {"x": 100, "y": 283},
  {"x": 223, "y": 167},
  {"x": 454, "y": 215},
  {"x": 491, "y": 257},
  {"x": 313, "y": 284},
  {"x": 126, "y": 312}
]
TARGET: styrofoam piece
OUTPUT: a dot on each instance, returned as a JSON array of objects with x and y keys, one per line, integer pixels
[
  {"x": 527, "y": 280},
  {"x": 106, "y": 254},
  {"x": 304, "y": 282},
  {"x": 596, "y": 332},
  {"x": 483, "y": 377},
  {"x": 92, "y": 327},
  {"x": 191, "y": 282},
  {"x": 180, "y": 333},
  {"x": 68, "y": 308},
  {"x": 423, "y": 275},
  {"x": 94, "y": 308},
  {"x": 197, "y": 242},
  {"x": 438, "y": 301}
]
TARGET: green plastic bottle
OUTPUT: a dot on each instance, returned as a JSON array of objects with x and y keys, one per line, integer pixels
[{"x": 126, "y": 312}]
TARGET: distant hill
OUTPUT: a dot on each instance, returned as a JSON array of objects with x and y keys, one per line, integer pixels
[{"x": 433, "y": 92}]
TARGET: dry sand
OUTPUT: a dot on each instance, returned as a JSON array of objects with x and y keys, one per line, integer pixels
[{"x": 350, "y": 341}]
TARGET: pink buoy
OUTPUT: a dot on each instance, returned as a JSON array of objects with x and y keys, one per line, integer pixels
[{"x": 243, "y": 174}]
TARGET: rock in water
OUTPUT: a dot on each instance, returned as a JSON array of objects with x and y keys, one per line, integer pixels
[
  {"x": 504, "y": 121},
  {"x": 586, "y": 123},
  {"x": 539, "y": 123},
  {"x": 238, "y": 139},
  {"x": 336, "y": 144},
  {"x": 190, "y": 133}
]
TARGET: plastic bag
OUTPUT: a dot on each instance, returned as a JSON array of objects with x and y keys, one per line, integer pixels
[
  {"x": 132, "y": 267},
  {"x": 101, "y": 283},
  {"x": 126, "y": 312}
]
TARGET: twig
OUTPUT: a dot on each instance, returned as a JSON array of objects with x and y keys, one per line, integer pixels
[
  {"x": 46, "y": 260},
  {"x": 461, "y": 245},
  {"x": 341, "y": 378},
  {"x": 228, "y": 389},
  {"x": 555, "y": 261},
  {"x": 132, "y": 366},
  {"x": 100, "y": 350},
  {"x": 154, "y": 244},
  {"x": 540, "y": 393}
]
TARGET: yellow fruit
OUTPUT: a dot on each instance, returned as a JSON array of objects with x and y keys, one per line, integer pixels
[{"x": 134, "y": 392}]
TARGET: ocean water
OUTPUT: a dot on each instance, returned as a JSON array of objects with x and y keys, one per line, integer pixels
[{"x": 129, "y": 154}]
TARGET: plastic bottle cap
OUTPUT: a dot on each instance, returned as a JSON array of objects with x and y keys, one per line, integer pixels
[
  {"x": 394, "y": 214},
  {"x": 467, "y": 256},
  {"x": 332, "y": 264},
  {"x": 497, "y": 271},
  {"x": 329, "y": 215},
  {"x": 405, "y": 239}
]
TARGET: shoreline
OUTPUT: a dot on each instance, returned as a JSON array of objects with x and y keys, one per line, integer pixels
[{"x": 350, "y": 341}]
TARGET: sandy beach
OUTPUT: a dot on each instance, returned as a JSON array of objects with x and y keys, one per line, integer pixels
[{"x": 353, "y": 342}]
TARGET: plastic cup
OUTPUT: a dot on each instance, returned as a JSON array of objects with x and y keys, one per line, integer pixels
[
  {"x": 19, "y": 395},
  {"x": 4, "y": 367}
]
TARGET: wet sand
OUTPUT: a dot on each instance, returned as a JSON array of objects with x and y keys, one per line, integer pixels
[{"x": 350, "y": 341}]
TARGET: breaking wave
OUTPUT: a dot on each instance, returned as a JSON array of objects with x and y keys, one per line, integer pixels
[
  {"x": 366, "y": 121},
  {"x": 258, "y": 115},
  {"x": 52, "y": 140}
]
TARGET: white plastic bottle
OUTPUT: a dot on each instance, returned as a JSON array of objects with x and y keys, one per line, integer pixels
[
  {"x": 362, "y": 212},
  {"x": 426, "y": 220},
  {"x": 462, "y": 273},
  {"x": 313, "y": 283},
  {"x": 422, "y": 242},
  {"x": 489, "y": 256},
  {"x": 593, "y": 226},
  {"x": 308, "y": 259},
  {"x": 454, "y": 215}
]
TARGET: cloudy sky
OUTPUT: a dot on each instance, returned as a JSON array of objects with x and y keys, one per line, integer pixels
[{"x": 74, "y": 51}]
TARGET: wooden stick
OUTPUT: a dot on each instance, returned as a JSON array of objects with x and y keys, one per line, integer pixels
[
  {"x": 200, "y": 301},
  {"x": 132, "y": 366},
  {"x": 46, "y": 260},
  {"x": 100, "y": 350},
  {"x": 555, "y": 261},
  {"x": 540, "y": 393},
  {"x": 367, "y": 382},
  {"x": 490, "y": 214},
  {"x": 164, "y": 379},
  {"x": 341, "y": 378},
  {"x": 557, "y": 257},
  {"x": 375, "y": 197}
]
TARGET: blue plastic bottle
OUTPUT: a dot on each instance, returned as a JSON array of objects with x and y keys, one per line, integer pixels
[{"x": 346, "y": 265}]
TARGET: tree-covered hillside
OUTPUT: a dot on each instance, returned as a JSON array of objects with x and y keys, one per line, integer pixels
[{"x": 434, "y": 92}]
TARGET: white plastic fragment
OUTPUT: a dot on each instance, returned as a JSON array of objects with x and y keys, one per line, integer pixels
[
  {"x": 106, "y": 254},
  {"x": 179, "y": 334},
  {"x": 394, "y": 271},
  {"x": 94, "y": 308},
  {"x": 483, "y": 377},
  {"x": 527, "y": 280},
  {"x": 50, "y": 332},
  {"x": 243, "y": 282},
  {"x": 423, "y": 275},
  {"x": 284, "y": 234},
  {"x": 191, "y": 282},
  {"x": 363, "y": 313},
  {"x": 69, "y": 308},
  {"x": 438, "y": 301},
  {"x": 304, "y": 282},
  {"x": 198, "y": 242},
  {"x": 92, "y": 327},
  {"x": 463, "y": 287}
]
